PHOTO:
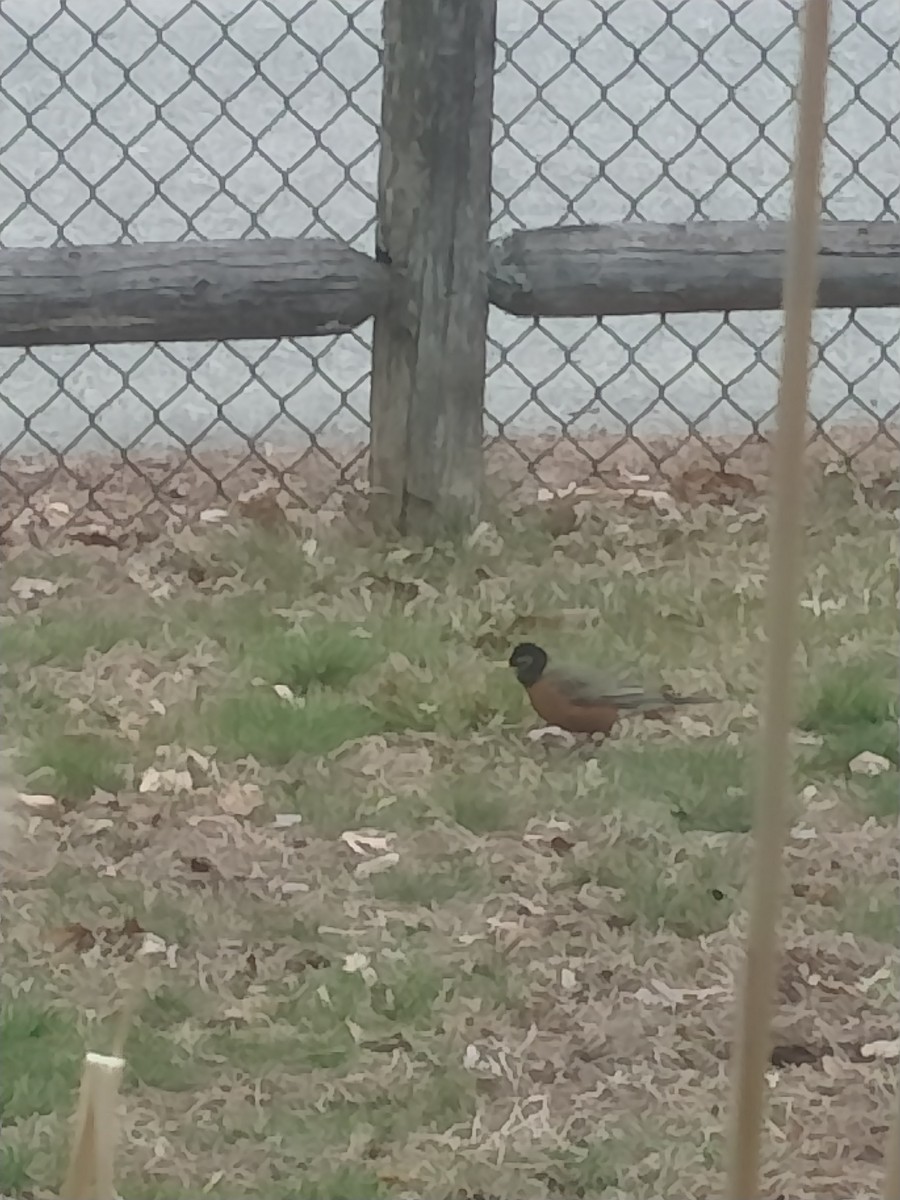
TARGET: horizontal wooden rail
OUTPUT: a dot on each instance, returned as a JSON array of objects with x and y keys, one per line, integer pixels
[
  {"x": 307, "y": 287},
  {"x": 186, "y": 291},
  {"x": 709, "y": 266}
]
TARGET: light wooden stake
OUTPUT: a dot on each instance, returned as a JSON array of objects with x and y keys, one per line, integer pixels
[
  {"x": 91, "y": 1170},
  {"x": 91, "y": 1173},
  {"x": 785, "y": 540}
]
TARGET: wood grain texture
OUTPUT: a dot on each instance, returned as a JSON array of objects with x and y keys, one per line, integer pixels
[
  {"x": 709, "y": 266},
  {"x": 186, "y": 291},
  {"x": 307, "y": 287},
  {"x": 428, "y": 356}
]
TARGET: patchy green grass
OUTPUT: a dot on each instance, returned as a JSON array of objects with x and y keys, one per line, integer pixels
[
  {"x": 853, "y": 705},
  {"x": 16, "y": 1166},
  {"x": 42, "y": 1053},
  {"x": 274, "y": 730},
  {"x": 72, "y": 766},
  {"x": 650, "y": 876},
  {"x": 870, "y": 912},
  {"x": 411, "y": 950},
  {"x": 708, "y": 789},
  {"x": 77, "y": 630},
  {"x": 875, "y": 796}
]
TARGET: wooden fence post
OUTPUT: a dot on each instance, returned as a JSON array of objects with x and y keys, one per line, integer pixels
[{"x": 434, "y": 207}]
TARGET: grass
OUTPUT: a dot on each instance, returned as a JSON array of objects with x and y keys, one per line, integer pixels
[
  {"x": 703, "y": 789},
  {"x": 853, "y": 705},
  {"x": 275, "y": 730},
  {"x": 42, "y": 1052},
  {"x": 72, "y": 766},
  {"x": 410, "y": 950}
]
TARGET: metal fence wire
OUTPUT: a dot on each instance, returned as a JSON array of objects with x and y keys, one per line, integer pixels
[{"x": 153, "y": 120}]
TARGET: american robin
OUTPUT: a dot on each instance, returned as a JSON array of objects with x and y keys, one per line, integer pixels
[{"x": 584, "y": 701}]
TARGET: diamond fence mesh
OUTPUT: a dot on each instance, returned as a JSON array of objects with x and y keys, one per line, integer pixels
[{"x": 150, "y": 120}]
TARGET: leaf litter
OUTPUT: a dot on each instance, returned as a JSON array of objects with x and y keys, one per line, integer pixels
[{"x": 457, "y": 950}]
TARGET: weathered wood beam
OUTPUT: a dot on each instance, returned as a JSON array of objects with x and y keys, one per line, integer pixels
[
  {"x": 708, "y": 266},
  {"x": 282, "y": 287},
  {"x": 186, "y": 291},
  {"x": 434, "y": 208}
]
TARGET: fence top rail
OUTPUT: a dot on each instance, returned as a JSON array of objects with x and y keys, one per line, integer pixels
[{"x": 238, "y": 289}]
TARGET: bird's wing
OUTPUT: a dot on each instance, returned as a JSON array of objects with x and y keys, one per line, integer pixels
[
  {"x": 587, "y": 687},
  {"x": 584, "y": 686}
]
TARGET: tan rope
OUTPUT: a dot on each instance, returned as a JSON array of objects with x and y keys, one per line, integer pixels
[{"x": 785, "y": 540}]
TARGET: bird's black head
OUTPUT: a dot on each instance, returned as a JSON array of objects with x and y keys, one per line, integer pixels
[{"x": 528, "y": 661}]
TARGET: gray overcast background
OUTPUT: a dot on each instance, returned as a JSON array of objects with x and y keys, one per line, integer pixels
[{"x": 262, "y": 163}]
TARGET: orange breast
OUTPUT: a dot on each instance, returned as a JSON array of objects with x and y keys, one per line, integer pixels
[{"x": 556, "y": 709}]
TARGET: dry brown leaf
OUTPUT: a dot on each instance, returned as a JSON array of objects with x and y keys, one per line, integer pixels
[
  {"x": 37, "y": 800},
  {"x": 803, "y": 833},
  {"x": 645, "y": 498},
  {"x": 883, "y": 1048},
  {"x": 292, "y": 887},
  {"x": 561, "y": 517},
  {"x": 56, "y": 513},
  {"x": 96, "y": 824},
  {"x": 359, "y": 964},
  {"x": 819, "y": 604},
  {"x": 707, "y": 483},
  {"x": 869, "y": 763},
  {"x": 560, "y": 845},
  {"x": 168, "y": 781},
  {"x": 553, "y": 733},
  {"x": 27, "y": 588},
  {"x": 72, "y": 936},
  {"x": 879, "y": 976},
  {"x": 97, "y": 535},
  {"x": 253, "y": 1007},
  {"x": 240, "y": 799},
  {"x": 363, "y": 841},
  {"x": 376, "y": 866},
  {"x": 691, "y": 727},
  {"x": 152, "y": 944},
  {"x": 660, "y": 993},
  {"x": 401, "y": 770},
  {"x": 261, "y": 504}
]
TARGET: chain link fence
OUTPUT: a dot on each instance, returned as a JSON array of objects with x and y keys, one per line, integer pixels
[{"x": 150, "y": 120}]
